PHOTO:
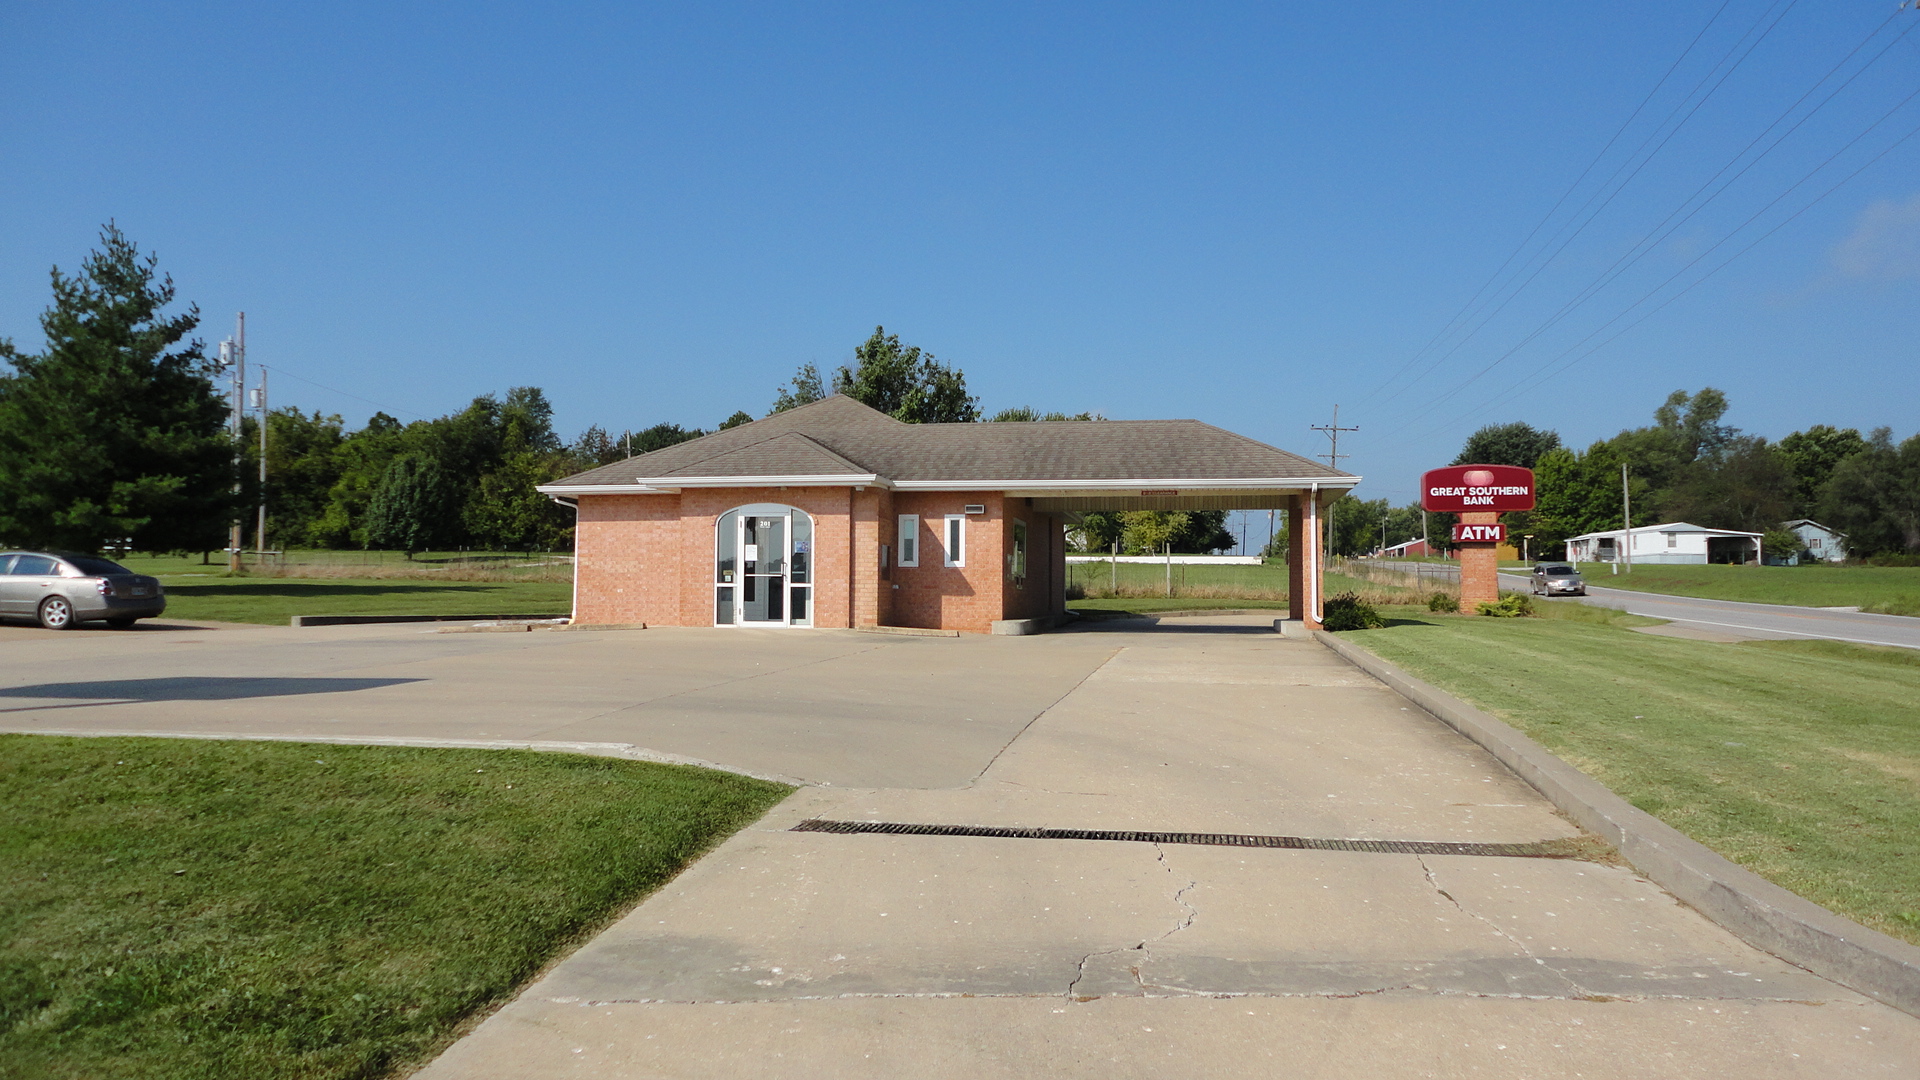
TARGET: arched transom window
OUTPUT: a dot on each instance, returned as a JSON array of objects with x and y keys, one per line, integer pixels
[{"x": 763, "y": 566}]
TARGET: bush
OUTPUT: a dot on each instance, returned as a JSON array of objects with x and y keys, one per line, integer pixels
[
  {"x": 1894, "y": 560},
  {"x": 1511, "y": 605},
  {"x": 1348, "y": 612},
  {"x": 1442, "y": 601}
]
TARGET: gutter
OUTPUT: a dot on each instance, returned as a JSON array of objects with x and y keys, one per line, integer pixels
[{"x": 670, "y": 485}]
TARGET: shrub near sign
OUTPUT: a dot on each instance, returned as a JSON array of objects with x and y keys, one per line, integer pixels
[{"x": 1464, "y": 489}]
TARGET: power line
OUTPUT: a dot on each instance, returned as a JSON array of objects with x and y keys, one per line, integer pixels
[
  {"x": 1609, "y": 183},
  {"x": 1896, "y": 144},
  {"x": 1552, "y": 210},
  {"x": 343, "y": 393},
  {"x": 1558, "y": 366},
  {"x": 1332, "y": 432},
  {"x": 1663, "y": 229}
]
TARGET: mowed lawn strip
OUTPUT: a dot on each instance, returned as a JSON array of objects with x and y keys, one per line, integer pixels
[
  {"x": 1889, "y": 590},
  {"x": 1147, "y": 605},
  {"x": 275, "y": 600},
  {"x": 178, "y": 908},
  {"x": 1800, "y": 760}
]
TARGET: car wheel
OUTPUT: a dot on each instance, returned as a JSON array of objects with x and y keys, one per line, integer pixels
[
  {"x": 56, "y": 613},
  {"x": 120, "y": 624}
]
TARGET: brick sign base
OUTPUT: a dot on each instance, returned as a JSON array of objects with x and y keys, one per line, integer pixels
[{"x": 1479, "y": 565}]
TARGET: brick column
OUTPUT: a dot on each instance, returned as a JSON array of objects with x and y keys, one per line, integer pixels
[
  {"x": 1479, "y": 565},
  {"x": 1305, "y": 516}
]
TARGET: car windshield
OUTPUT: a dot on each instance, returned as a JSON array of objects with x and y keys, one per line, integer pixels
[
  {"x": 97, "y": 567},
  {"x": 1556, "y": 571}
]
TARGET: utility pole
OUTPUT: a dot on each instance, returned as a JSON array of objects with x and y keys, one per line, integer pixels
[
  {"x": 1333, "y": 431},
  {"x": 233, "y": 352},
  {"x": 260, "y": 403},
  {"x": 1626, "y": 501}
]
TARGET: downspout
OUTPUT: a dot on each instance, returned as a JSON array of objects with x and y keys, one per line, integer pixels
[
  {"x": 1313, "y": 546},
  {"x": 573, "y": 605}
]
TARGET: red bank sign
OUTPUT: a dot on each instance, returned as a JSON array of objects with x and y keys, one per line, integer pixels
[
  {"x": 1460, "y": 489},
  {"x": 1479, "y": 534}
]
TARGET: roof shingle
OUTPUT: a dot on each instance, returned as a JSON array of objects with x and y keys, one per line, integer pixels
[{"x": 838, "y": 436}]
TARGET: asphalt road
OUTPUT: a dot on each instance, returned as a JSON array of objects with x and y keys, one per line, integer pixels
[{"x": 1759, "y": 621}]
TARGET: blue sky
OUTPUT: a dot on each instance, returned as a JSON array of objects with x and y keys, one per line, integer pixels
[{"x": 1241, "y": 213}]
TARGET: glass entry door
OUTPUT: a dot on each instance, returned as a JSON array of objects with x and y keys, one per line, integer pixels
[{"x": 763, "y": 567}]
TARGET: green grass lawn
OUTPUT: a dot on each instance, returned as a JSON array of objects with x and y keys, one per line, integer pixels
[
  {"x": 187, "y": 909},
  {"x": 1146, "y": 581},
  {"x": 1797, "y": 759},
  {"x": 1891, "y": 590},
  {"x": 1149, "y": 604},
  {"x": 273, "y": 600},
  {"x": 448, "y": 561},
  {"x": 1135, "y": 578}
]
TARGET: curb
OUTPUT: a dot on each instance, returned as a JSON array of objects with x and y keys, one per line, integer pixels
[
  {"x": 1754, "y": 909},
  {"x": 905, "y": 631},
  {"x": 358, "y": 620}
]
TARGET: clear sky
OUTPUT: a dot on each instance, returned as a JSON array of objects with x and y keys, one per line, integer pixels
[{"x": 1242, "y": 213}]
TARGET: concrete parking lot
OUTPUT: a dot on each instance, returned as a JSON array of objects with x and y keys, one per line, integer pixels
[{"x": 833, "y": 954}]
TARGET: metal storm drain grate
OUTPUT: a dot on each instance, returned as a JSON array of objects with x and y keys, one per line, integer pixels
[{"x": 1572, "y": 848}]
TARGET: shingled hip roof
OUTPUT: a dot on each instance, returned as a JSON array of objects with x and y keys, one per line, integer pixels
[{"x": 838, "y": 441}]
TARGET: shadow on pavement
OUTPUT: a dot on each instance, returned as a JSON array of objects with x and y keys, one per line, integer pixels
[
  {"x": 186, "y": 688},
  {"x": 1162, "y": 626}
]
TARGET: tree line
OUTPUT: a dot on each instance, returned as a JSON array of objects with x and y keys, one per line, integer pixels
[
  {"x": 116, "y": 433},
  {"x": 1685, "y": 466}
]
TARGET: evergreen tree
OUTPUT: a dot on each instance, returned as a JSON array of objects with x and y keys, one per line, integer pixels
[{"x": 114, "y": 429}]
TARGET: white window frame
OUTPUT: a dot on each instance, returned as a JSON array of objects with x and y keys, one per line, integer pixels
[
  {"x": 954, "y": 540},
  {"x": 908, "y": 549}
]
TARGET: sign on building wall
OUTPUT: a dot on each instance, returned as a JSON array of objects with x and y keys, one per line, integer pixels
[{"x": 1464, "y": 489}]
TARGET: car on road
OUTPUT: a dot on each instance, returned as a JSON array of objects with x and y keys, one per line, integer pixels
[
  {"x": 1557, "y": 579},
  {"x": 60, "y": 590}
]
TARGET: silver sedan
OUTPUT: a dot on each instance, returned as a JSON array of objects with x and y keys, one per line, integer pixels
[{"x": 59, "y": 590}]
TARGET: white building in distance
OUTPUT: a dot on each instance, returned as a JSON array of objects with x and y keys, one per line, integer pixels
[
  {"x": 1676, "y": 542},
  {"x": 1827, "y": 545}
]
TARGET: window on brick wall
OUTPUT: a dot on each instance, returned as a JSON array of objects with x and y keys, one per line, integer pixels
[
  {"x": 909, "y": 540},
  {"x": 956, "y": 540},
  {"x": 1017, "y": 558}
]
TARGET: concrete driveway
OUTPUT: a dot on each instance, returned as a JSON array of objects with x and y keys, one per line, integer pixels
[{"x": 968, "y": 950}]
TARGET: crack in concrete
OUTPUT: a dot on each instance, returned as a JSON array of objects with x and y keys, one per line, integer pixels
[
  {"x": 1578, "y": 990},
  {"x": 1180, "y": 898},
  {"x": 1080, "y": 971},
  {"x": 1028, "y": 726}
]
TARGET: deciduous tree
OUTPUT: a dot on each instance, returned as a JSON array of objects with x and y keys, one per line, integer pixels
[{"x": 415, "y": 508}]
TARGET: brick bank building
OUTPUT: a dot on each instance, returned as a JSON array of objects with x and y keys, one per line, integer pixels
[{"x": 836, "y": 515}]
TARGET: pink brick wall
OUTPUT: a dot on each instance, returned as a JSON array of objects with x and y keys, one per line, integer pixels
[{"x": 649, "y": 558}]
